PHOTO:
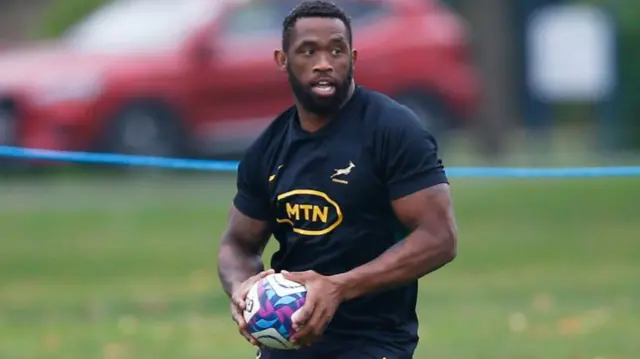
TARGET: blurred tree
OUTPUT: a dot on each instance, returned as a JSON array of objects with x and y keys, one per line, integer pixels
[
  {"x": 63, "y": 13},
  {"x": 627, "y": 13},
  {"x": 629, "y": 17},
  {"x": 491, "y": 21}
]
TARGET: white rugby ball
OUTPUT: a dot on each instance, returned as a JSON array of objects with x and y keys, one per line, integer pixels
[{"x": 270, "y": 308}]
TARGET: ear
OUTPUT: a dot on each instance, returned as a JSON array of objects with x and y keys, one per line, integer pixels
[
  {"x": 354, "y": 57},
  {"x": 281, "y": 60}
]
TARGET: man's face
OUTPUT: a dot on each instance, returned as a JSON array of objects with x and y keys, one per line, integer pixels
[{"x": 319, "y": 63}]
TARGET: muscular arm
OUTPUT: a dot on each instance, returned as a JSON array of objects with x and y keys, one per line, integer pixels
[
  {"x": 420, "y": 196},
  {"x": 431, "y": 245},
  {"x": 240, "y": 252}
]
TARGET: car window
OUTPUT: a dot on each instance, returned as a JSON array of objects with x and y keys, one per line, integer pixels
[
  {"x": 257, "y": 17},
  {"x": 264, "y": 17},
  {"x": 139, "y": 25},
  {"x": 362, "y": 12}
]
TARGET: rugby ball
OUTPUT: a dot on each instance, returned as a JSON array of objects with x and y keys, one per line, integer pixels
[{"x": 270, "y": 306}]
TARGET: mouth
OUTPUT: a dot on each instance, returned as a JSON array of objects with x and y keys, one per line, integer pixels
[{"x": 323, "y": 88}]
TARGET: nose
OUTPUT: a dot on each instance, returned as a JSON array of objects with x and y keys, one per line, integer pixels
[{"x": 323, "y": 65}]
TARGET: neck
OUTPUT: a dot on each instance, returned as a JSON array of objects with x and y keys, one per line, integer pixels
[{"x": 311, "y": 122}]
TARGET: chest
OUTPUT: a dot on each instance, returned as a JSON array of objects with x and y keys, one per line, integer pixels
[{"x": 319, "y": 185}]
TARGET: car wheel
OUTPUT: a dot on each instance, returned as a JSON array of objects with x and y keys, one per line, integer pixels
[
  {"x": 429, "y": 110},
  {"x": 7, "y": 127},
  {"x": 147, "y": 130},
  {"x": 9, "y": 136}
]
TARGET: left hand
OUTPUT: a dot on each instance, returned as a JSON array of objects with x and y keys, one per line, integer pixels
[{"x": 322, "y": 301}]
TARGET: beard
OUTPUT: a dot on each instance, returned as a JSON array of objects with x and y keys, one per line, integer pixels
[{"x": 321, "y": 106}]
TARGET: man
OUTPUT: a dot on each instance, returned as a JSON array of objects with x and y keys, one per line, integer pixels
[{"x": 351, "y": 186}]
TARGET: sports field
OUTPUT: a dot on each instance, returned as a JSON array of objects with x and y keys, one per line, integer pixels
[{"x": 547, "y": 269}]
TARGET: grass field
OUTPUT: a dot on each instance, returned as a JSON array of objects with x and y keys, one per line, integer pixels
[{"x": 126, "y": 269}]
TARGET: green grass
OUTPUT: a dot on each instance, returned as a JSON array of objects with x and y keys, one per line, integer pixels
[{"x": 126, "y": 269}]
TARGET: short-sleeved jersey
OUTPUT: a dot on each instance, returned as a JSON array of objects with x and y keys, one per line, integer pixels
[{"x": 328, "y": 195}]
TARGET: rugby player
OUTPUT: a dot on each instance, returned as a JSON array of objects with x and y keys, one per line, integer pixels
[{"x": 352, "y": 188}]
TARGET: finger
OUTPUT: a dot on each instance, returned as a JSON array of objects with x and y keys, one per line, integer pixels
[
  {"x": 304, "y": 338},
  {"x": 295, "y": 276},
  {"x": 301, "y": 323},
  {"x": 315, "y": 327},
  {"x": 317, "y": 322},
  {"x": 238, "y": 301},
  {"x": 263, "y": 274},
  {"x": 239, "y": 319},
  {"x": 243, "y": 329},
  {"x": 249, "y": 338},
  {"x": 238, "y": 315},
  {"x": 302, "y": 315},
  {"x": 240, "y": 295}
]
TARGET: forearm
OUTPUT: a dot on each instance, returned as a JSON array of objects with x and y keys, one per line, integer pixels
[
  {"x": 236, "y": 265},
  {"x": 417, "y": 255}
]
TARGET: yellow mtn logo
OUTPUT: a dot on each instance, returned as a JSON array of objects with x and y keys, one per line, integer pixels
[{"x": 309, "y": 212}]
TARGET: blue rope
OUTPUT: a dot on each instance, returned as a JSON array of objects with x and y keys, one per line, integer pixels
[{"x": 232, "y": 166}]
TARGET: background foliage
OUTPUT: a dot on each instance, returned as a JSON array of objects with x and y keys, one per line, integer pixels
[{"x": 64, "y": 13}]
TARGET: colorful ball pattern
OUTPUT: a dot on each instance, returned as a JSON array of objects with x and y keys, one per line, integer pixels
[{"x": 271, "y": 303}]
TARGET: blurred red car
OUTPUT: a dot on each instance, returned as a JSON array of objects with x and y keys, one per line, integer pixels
[{"x": 197, "y": 78}]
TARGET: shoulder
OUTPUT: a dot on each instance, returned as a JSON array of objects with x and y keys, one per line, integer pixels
[
  {"x": 271, "y": 137},
  {"x": 390, "y": 120},
  {"x": 267, "y": 143},
  {"x": 404, "y": 153}
]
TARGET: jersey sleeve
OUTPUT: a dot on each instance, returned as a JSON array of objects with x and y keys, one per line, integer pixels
[
  {"x": 409, "y": 153},
  {"x": 252, "y": 196}
]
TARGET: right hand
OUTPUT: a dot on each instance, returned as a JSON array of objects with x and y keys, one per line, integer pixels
[{"x": 238, "y": 303}]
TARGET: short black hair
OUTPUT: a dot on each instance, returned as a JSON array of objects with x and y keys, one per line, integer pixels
[{"x": 313, "y": 8}]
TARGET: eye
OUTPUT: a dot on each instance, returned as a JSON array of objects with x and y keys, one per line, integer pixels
[
  {"x": 336, "y": 52},
  {"x": 307, "y": 52}
]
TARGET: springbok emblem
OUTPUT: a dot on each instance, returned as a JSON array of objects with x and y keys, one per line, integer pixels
[{"x": 344, "y": 171}]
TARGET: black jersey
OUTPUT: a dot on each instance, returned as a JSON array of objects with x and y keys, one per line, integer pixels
[{"x": 328, "y": 195}]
